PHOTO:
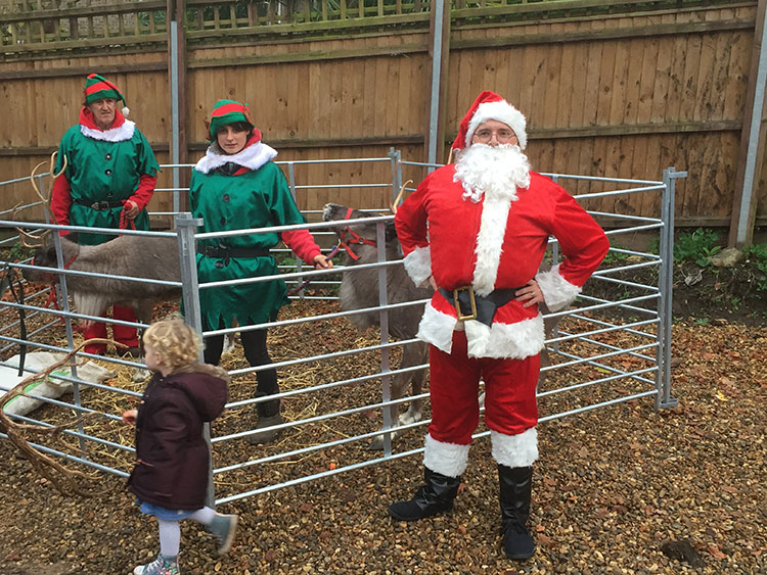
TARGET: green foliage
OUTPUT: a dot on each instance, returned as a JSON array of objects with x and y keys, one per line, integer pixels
[
  {"x": 757, "y": 253},
  {"x": 15, "y": 253},
  {"x": 697, "y": 246},
  {"x": 613, "y": 256}
]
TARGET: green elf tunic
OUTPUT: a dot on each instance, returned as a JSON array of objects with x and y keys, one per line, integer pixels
[
  {"x": 241, "y": 191},
  {"x": 107, "y": 167}
]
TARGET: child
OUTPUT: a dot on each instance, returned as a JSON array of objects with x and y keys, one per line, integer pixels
[{"x": 171, "y": 473}]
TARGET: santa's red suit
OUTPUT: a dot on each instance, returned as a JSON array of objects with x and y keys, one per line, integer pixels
[{"x": 485, "y": 222}]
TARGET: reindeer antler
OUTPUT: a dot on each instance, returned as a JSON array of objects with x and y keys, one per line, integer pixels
[
  {"x": 399, "y": 196},
  {"x": 52, "y": 169},
  {"x": 59, "y": 475},
  {"x": 39, "y": 240}
]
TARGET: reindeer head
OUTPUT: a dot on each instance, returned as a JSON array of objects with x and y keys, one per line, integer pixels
[
  {"x": 45, "y": 257},
  {"x": 359, "y": 238}
]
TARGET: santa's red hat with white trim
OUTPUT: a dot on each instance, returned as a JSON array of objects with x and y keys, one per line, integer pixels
[{"x": 490, "y": 106}]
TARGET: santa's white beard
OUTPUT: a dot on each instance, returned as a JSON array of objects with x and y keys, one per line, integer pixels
[{"x": 494, "y": 171}]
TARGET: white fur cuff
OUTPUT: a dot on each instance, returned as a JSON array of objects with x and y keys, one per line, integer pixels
[
  {"x": 437, "y": 328},
  {"x": 557, "y": 291},
  {"x": 445, "y": 458},
  {"x": 418, "y": 265},
  {"x": 515, "y": 450}
]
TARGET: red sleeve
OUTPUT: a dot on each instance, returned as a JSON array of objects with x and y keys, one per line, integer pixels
[
  {"x": 145, "y": 190},
  {"x": 302, "y": 243},
  {"x": 411, "y": 219},
  {"x": 584, "y": 244},
  {"x": 61, "y": 200}
]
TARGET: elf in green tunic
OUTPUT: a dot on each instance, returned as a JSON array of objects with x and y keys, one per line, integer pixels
[
  {"x": 109, "y": 179},
  {"x": 237, "y": 186}
]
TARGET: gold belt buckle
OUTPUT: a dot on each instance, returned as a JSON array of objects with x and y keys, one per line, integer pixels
[{"x": 457, "y": 304}]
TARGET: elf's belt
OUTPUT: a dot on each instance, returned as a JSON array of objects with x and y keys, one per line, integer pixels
[
  {"x": 468, "y": 305},
  {"x": 224, "y": 252},
  {"x": 99, "y": 206}
]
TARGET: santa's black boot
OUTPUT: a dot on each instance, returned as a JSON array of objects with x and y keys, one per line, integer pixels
[
  {"x": 268, "y": 415},
  {"x": 516, "y": 490},
  {"x": 435, "y": 497}
]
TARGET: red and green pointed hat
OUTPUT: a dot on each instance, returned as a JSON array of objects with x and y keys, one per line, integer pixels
[
  {"x": 97, "y": 88},
  {"x": 227, "y": 112}
]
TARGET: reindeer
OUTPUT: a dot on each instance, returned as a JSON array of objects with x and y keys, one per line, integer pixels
[
  {"x": 141, "y": 257},
  {"x": 132, "y": 256},
  {"x": 359, "y": 290}
]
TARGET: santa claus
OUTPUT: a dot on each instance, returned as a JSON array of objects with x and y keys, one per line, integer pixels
[{"x": 477, "y": 231}]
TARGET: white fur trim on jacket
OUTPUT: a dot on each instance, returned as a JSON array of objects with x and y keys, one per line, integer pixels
[
  {"x": 437, "y": 328},
  {"x": 252, "y": 157},
  {"x": 501, "y": 341},
  {"x": 515, "y": 450},
  {"x": 124, "y": 132},
  {"x": 501, "y": 111},
  {"x": 557, "y": 291},
  {"x": 418, "y": 265},
  {"x": 495, "y": 214},
  {"x": 505, "y": 340},
  {"x": 446, "y": 458}
]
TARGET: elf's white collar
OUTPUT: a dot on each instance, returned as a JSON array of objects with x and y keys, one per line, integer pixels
[
  {"x": 252, "y": 157},
  {"x": 119, "y": 134}
]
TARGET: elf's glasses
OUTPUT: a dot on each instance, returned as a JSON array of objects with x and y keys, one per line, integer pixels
[{"x": 502, "y": 136}]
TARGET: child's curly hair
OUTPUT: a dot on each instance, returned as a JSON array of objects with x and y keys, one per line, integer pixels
[{"x": 176, "y": 343}]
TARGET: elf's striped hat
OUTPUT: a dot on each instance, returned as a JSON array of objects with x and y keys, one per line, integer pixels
[
  {"x": 227, "y": 112},
  {"x": 97, "y": 87}
]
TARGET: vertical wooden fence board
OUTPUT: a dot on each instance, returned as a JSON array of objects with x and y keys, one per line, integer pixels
[
  {"x": 704, "y": 96},
  {"x": 691, "y": 76},
  {"x": 635, "y": 56},
  {"x": 647, "y": 81},
  {"x": 676, "y": 84}
]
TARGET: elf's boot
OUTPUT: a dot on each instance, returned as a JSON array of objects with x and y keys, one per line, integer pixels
[
  {"x": 516, "y": 490},
  {"x": 268, "y": 415},
  {"x": 435, "y": 497}
]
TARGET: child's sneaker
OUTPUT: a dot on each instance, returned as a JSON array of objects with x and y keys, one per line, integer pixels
[
  {"x": 223, "y": 527},
  {"x": 160, "y": 566}
]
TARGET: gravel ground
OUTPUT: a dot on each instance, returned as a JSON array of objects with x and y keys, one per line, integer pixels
[{"x": 624, "y": 489}]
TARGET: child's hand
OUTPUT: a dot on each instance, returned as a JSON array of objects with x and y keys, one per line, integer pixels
[{"x": 129, "y": 416}]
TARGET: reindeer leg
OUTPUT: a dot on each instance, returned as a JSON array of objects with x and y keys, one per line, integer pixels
[
  {"x": 412, "y": 354},
  {"x": 397, "y": 390},
  {"x": 143, "y": 310},
  {"x": 420, "y": 352}
]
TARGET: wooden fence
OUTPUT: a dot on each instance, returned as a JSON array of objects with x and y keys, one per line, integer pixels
[{"x": 618, "y": 89}]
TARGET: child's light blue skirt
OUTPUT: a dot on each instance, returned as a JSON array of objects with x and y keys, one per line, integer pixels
[{"x": 162, "y": 512}]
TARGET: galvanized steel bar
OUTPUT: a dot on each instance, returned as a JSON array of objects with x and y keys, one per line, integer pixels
[
  {"x": 436, "y": 76},
  {"x": 383, "y": 300}
]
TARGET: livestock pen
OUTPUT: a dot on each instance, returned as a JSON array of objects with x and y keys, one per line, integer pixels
[{"x": 612, "y": 346}]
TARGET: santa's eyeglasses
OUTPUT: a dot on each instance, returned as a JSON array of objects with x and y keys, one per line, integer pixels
[{"x": 502, "y": 136}]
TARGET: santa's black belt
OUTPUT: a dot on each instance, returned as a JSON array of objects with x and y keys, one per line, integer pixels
[
  {"x": 472, "y": 306},
  {"x": 99, "y": 206},
  {"x": 227, "y": 252}
]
